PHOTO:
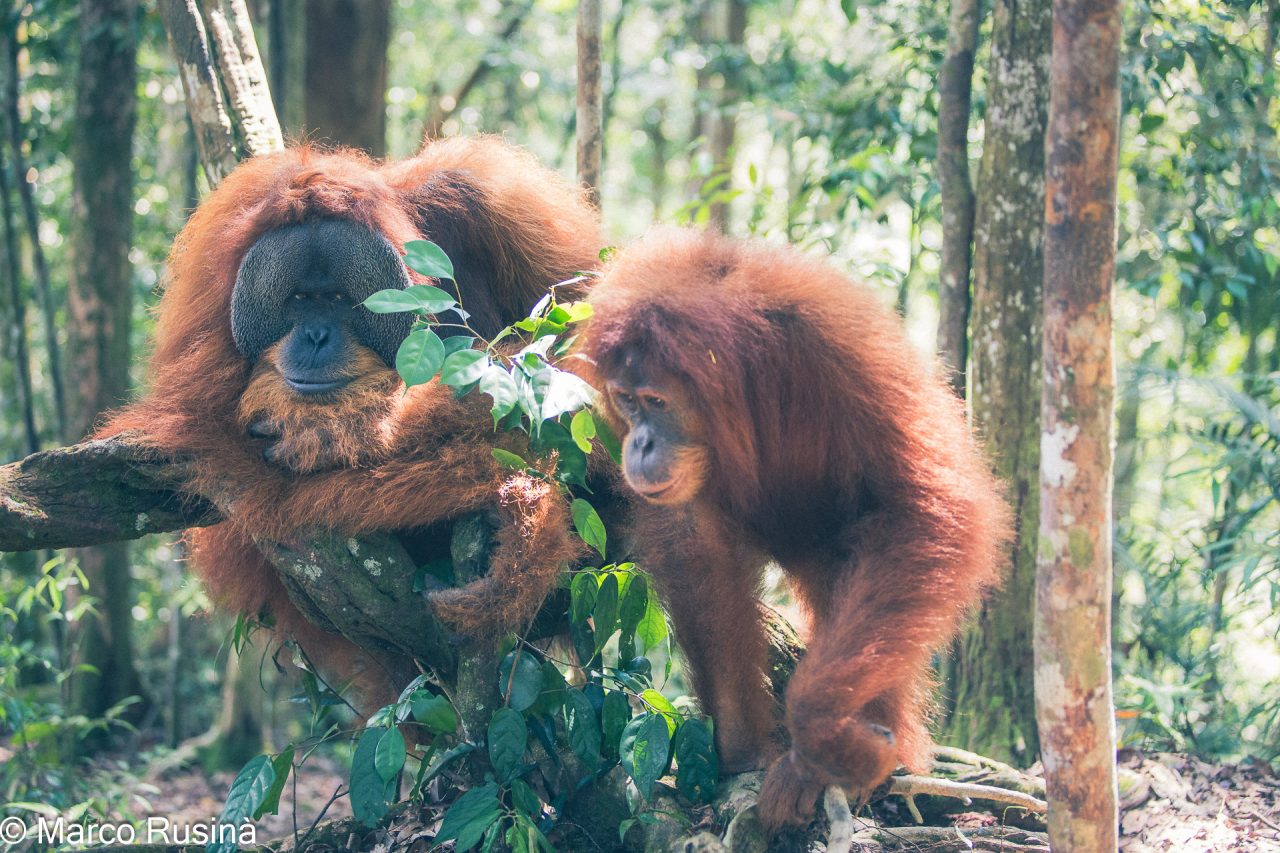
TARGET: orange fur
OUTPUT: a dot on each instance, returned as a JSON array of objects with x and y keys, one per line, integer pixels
[
  {"x": 833, "y": 448},
  {"x": 370, "y": 458},
  {"x": 348, "y": 430}
]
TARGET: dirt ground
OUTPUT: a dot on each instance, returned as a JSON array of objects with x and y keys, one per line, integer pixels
[
  {"x": 1179, "y": 803},
  {"x": 1169, "y": 803}
]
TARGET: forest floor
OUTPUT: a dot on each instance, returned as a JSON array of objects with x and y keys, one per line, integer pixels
[
  {"x": 1180, "y": 803},
  {"x": 1171, "y": 803}
]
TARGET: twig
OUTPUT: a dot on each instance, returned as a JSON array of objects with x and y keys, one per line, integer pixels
[
  {"x": 909, "y": 786},
  {"x": 337, "y": 792},
  {"x": 1264, "y": 820}
]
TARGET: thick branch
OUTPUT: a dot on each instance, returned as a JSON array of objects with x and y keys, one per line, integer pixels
[
  {"x": 91, "y": 493},
  {"x": 358, "y": 588}
]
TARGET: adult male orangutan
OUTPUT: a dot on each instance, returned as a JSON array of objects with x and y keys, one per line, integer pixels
[{"x": 270, "y": 375}]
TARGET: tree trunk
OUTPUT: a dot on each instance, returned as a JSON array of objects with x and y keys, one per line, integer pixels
[
  {"x": 16, "y": 317},
  {"x": 992, "y": 675},
  {"x": 287, "y": 62},
  {"x": 1073, "y": 583},
  {"x": 955, "y": 83},
  {"x": 32, "y": 220},
  {"x": 99, "y": 308},
  {"x": 590, "y": 124},
  {"x": 658, "y": 144},
  {"x": 347, "y": 72},
  {"x": 726, "y": 120}
]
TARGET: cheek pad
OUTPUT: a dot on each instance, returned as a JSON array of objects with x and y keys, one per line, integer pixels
[
  {"x": 362, "y": 261},
  {"x": 257, "y": 308}
]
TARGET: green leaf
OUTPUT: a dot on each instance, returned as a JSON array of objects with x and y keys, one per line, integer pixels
[
  {"x": 519, "y": 679},
  {"x": 507, "y": 459},
  {"x": 419, "y": 357},
  {"x": 662, "y": 705},
  {"x": 589, "y": 526},
  {"x": 422, "y": 298},
  {"x": 652, "y": 629},
  {"x": 697, "y": 766},
  {"x": 426, "y": 258},
  {"x": 499, "y": 385},
  {"x": 583, "y": 429},
  {"x": 457, "y": 343},
  {"x": 571, "y": 463},
  {"x": 582, "y": 728},
  {"x": 434, "y": 712},
  {"x": 469, "y": 817},
  {"x": 582, "y": 595},
  {"x": 635, "y": 602},
  {"x": 564, "y": 392},
  {"x": 530, "y": 837},
  {"x": 584, "y": 641},
  {"x": 609, "y": 439},
  {"x": 249, "y": 792},
  {"x": 576, "y": 312},
  {"x": 541, "y": 305},
  {"x": 370, "y": 792},
  {"x": 644, "y": 750},
  {"x": 524, "y": 799},
  {"x": 551, "y": 693},
  {"x": 388, "y": 758},
  {"x": 464, "y": 367},
  {"x": 282, "y": 765},
  {"x": 508, "y": 736},
  {"x": 614, "y": 717},
  {"x": 605, "y": 614}
]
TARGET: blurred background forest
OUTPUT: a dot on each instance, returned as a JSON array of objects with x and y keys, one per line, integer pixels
[{"x": 811, "y": 121}]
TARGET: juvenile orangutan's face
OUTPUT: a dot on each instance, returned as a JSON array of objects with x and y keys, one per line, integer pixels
[{"x": 663, "y": 454}]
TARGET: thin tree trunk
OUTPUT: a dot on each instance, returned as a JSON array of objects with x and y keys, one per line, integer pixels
[
  {"x": 287, "y": 57},
  {"x": 1073, "y": 583},
  {"x": 445, "y": 107},
  {"x": 955, "y": 84},
  {"x": 99, "y": 307},
  {"x": 615, "y": 64},
  {"x": 347, "y": 72},
  {"x": 32, "y": 219},
  {"x": 590, "y": 122},
  {"x": 726, "y": 121},
  {"x": 17, "y": 315},
  {"x": 702, "y": 34},
  {"x": 992, "y": 675},
  {"x": 1124, "y": 485},
  {"x": 658, "y": 144}
]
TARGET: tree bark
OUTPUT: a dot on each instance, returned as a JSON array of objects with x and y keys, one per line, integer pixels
[
  {"x": 590, "y": 124},
  {"x": 231, "y": 113},
  {"x": 993, "y": 671},
  {"x": 955, "y": 84},
  {"x": 99, "y": 309},
  {"x": 347, "y": 72},
  {"x": 1073, "y": 583}
]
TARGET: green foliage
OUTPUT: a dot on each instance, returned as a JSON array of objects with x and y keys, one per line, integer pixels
[
  {"x": 250, "y": 796},
  {"x": 372, "y": 787},
  {"x": 526, "y": 386}
]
